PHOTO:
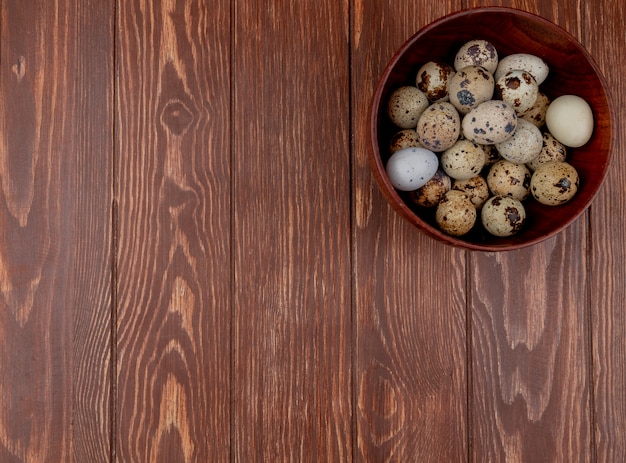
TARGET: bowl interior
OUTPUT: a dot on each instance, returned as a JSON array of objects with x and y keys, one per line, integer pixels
[{"x": 572, "y": 71}]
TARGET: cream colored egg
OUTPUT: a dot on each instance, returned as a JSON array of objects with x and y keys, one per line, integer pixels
[{"x": 569, "y": 119}]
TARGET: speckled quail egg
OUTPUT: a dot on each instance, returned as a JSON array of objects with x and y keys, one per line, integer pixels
[
  {"x": 570, "y": 120},
  {"x": 490, "y": 122},
  {"x": 433, "y": 79},
  {"x": 491, "y": 154},
  {"x": 553, "y": 150},
  {"x": 537, "y": 113},
  {"x": 463, "y": 160},
  {"x": 523, "y": 62},
  {"x": 430, "y": 194},
  {"x": 517, "y": 88},
  {"x": 469, "y": 87},
  {"x": 503, "y": 216},
  {"x": 410, "y": 168},
  {"x": 438, "y": 127},
  {"x": 455, "y": 215},
  {"x": 506, "y": 178},
  {"x": 525, "y": 144},
  {"x": 475, "y": 188},
  {"x": 405, "y": 138},
  {"x": 406, "y": 104},
  {"x": 478, "y": 53},
  {"x": 554, "y": 183}
]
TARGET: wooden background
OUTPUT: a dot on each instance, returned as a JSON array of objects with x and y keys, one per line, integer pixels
[{"x": 196, "y": 264}]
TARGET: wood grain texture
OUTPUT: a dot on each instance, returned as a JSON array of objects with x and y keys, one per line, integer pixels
[
  {"x": 291, "y": 197},
  {"x": 55, "y": 194},
  {"x": 173, "y": 272},
  {"x": 530, "y": 362},
  {"x": 604, "y": 25},
  {"x": 409, "y": 290}
]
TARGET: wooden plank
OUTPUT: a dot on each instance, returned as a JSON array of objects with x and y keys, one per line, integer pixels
[
  {"x": 410, "y": 376},
  {"x": 173, "y": 271},
  {"x": 55, "y": 196},
  {"x": 604, "y": 24},
  {"x": 291, "y": 196},
  {"x": 530, "y": 359}
]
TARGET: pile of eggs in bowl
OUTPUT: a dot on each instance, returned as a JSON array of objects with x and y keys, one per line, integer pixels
[{"x": 477, "y": 137}]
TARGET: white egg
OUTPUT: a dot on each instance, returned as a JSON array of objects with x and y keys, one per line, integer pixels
[
  {"x": 411, "y": 168},
  {"x": 570, "y": 120}
]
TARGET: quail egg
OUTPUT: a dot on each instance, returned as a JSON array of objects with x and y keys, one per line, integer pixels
[
  {"x": 506, "y": 178},
  {"x": 430, "y": 194},
  {"x": 438, "y": 127},
  {"x": 517, "y": 88},
  {"x": 503, "y": 216},
  {"x": 463, "y": 160},
  {"x": 469, "y": 87},
  {"x": 405, "y": 138},
  {"x": 525, "y": 144},
  {"x": 433, "y": 79},
  {"x": 455, "y": 215},
  {"x": 552, "y": 150},
  {"x": 406, "y": 105},
  {"x": 475, "y": 188},
  {"x": 490, "y": 122},
  {"x": 554, "y": 183},
  {"x": 523, "y": 62},
  {"x": 478, "y": 53}
]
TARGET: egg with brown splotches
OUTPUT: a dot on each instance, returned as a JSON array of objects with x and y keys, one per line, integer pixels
[
  {"x": 430, "y": 194},
  {"x": 433, "y": 79},
  {"x": 505, "y": 178},
  {"x": 552, "y": 150},
  {"x": 438, "y": 127},
  {"x": 478, "y": 52},
  {"x": 503, "y": 216},
  {"x": 475, "y": 188},
  {"x": 490, "y": 122},
  {"x": 455, "y": 214},
  {"x": 406, "y": 104},
  {"x": 517, "y": 88},
  {"x": 463, "y": 160},
  {"x": 469, "y": 87},
  {"x": 524, "y": 145},
  {"x": 405, "y": 138},
  {"x": 537, "y": 113},
  {"x": 523, "y": 62},
  {"x": 554, "y": 183}
]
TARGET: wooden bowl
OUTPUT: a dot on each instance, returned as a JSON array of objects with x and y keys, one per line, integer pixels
[{"x": 572, "y": 71}]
